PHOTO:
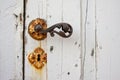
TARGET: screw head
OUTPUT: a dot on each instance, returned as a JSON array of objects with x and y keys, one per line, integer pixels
[{"x": 38, "y": 28}]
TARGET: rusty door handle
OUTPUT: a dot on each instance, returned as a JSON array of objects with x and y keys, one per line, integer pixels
[
  {"x": 65, "y": 32},
  {"x": 39, "y": 28}
]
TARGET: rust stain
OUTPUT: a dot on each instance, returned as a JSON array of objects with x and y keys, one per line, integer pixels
[
  {"x": 38, "y": 58},
  {"x": 20, "y": 17},
  {"x": 34, "y": 34}
]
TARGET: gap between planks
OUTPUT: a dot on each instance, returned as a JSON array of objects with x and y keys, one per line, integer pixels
[{"x": 23, "y": 53}]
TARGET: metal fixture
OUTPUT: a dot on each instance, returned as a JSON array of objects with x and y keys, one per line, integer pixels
[{"x": 38, "y": 29}]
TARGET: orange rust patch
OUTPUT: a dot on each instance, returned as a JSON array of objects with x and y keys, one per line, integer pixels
[
  {"x": 33, "y": 33},
  {"x": 38, "y": 58}
]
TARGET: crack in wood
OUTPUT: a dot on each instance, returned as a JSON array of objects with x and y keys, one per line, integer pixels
[
  {"x": 16, "y": 24},
  {"x": 96, "y": 44},
  {"x": 23, "y": 53},
  {"x": 83, "y": 42},
  {"x": 81, "y": 24}
]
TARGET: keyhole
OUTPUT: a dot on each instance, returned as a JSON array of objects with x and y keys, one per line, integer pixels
[{"x": 38, "y": 58}]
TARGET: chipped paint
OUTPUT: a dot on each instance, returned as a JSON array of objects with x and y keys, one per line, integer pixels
[
  {"x": 19, "y": 20},
  {"x": 51, "y": 48},
  {"x": 76, "y": 65},
  {"x": 68, "y": 73},
  {"x": 92, "y": 52},
  {"x": 27, "y": 16},
  {"x": 16, "y": 24},
  {"x": 76, "y": 43},
  {"x": 17, "y": 56},
  {"x": 15, "y": 15}
]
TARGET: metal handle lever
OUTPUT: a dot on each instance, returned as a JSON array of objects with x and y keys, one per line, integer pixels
[
  {"x": 65, "y": 29},
  {"x": 38, "y": 29}
]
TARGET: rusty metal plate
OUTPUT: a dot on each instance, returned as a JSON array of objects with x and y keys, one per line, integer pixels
[
  {"x": 38, "y": 58},
  {"x": 34, "y": 34}
]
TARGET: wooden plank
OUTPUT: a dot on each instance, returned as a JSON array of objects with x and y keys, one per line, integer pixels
[
  {"x": 108, "y": 34},
  {"x": 89, "y": 54},
  {"x": 34, "y": 9},
  {"x": 55, "y": 44},
  {"x": 71, "y": 63},
  {"x": 88, "y": 44},
  {"x": 11, "y": 39}
]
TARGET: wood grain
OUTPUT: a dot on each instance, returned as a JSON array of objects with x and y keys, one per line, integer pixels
[{"x": 11, "y": 39}]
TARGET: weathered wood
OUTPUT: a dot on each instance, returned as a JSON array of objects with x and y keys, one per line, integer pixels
[
  {"x": 11, "y": 39},
  {"x": 89, "y": 45},
  {"x": 108, "y": 37},
  {"x": 54, "y": 15},
  {"x": 71, "y": 61},
  {"x": 91, "y": 53},
  {"x": 57, "y": 48},
  {"x": 34, "y": 9}
]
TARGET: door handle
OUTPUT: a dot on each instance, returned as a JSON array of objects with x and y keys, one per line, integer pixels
[{"x": 38, "y": 29}]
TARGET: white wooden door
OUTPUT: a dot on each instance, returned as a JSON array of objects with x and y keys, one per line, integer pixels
[{"x": 91, "y": 53}]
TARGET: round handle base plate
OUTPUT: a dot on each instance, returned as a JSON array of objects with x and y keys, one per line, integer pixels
[{"x": 33, "y": 33}]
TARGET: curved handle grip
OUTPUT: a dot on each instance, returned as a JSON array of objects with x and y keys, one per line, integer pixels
[
  {"x": 38, "y": 30},
  {"x": 65, "y": 29}
]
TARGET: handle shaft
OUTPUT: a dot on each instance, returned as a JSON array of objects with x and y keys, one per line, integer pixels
[{"x": 65, "y": 29}]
